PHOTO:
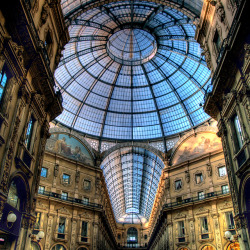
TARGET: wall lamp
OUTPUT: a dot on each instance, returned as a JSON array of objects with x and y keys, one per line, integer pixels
[{"x": 11, "y": 218}]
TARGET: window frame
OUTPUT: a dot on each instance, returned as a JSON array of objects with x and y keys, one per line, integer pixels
[
  {"x": 201, "y": 178},
  {"x": 201, "y": 195}
]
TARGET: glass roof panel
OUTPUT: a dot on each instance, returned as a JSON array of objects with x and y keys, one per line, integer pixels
[
  {"x": 131, "y": 70},
  {"x": 132, "y": 175}
]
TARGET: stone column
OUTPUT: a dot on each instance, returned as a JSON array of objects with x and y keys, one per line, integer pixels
[
  {"x": 192, "y": 233},
  {"x": 73, "y": 235},
  {"x": 217, "y": 234},
  {"x": 49, "y": 232}
]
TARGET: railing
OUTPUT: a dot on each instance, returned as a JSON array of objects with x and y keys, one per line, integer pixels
[
  {"x": 195, "y": 199},
  {"x": 70, "y": 199},
  {"x": 136, "y": 245}
]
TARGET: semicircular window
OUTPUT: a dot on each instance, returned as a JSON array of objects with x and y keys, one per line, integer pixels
[
  {"x": 132, "y": 72},
  {"x": 132, "y": 175}
]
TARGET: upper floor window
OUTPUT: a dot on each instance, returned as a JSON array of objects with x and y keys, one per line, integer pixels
[
  {"x": 84, "y": 233},
  {"x": 201, "y": 195},
  {"x": 86, "y": 184},
  {"x": 204, "y": 228},
  {"x": 38, "y": 220},
  {"x": 181, "y": 231},
  {"x": 44, "y": 172},
  {"x": 238, "y": 131},
  {"x": 41, "y": 190},
  {"x": 61, "y": 228},
  {"x": 3, "y": 80},
  {"x": 29, "y": 132},
  {"x": 179, "y": 199},
  {"x": 178, "y": 185},
  {"x": 85, "y": 200},
  {"x": 222, "y": 171},
  {"x": 225, "y": 189},
  {"x": 64, "y": 196},
  {"x": 230, "y": 222},
  {"x": 199, "y": 178},
  {"x": 66, "y": 178},
  {"x": 48, "y": 43},
  {"x": 217, "y": 41}
]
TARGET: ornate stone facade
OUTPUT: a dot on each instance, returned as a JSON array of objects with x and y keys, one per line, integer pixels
[
  {"x": 28, "y": 102},
  {"x": 227, "y": 100}
]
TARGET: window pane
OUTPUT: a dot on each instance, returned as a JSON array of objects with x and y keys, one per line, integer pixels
[
  {"x": 64, "y": 196},
  {"x": 222, "y": 171},
  {"x": 44, "y": 172},
  {"x": 29, "y": 133},
  {"x": 238, "y": 130},
  {"x": 84, "y": 229},
  {"x": 66, "y": 178},
  {"x": 3, "y": 80},
  {"x": 61, "y": 227},
  {"x": 41, "y": 190},
  {"x": 225, "y": 189}
]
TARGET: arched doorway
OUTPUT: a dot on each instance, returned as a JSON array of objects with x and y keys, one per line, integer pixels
[
  {"x": 233, "y": 246},
  {"x": 132, "y": 236}
]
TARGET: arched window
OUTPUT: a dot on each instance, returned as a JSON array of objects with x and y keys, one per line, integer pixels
[
  {"x": 34, "y": 246},
  {"x": 208, "y": 248},
  {"x": 13, "y": 198},
  {"x": 132, "y": 235},
  {"x": 58, "y": 247},
  {"x": 234, "y": 246}
]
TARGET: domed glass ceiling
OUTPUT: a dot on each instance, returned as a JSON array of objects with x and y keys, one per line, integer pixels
[
  {"x": 132, "y": 175},
  {"x": 132, "y": 71}
]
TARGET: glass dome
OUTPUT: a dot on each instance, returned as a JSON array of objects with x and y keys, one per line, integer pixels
[{"x": 132, "y": 71}]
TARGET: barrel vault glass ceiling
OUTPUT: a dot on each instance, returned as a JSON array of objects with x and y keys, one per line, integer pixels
[
  {"x": 131, "y": 71},
  {"x": 132, "y": 175}
]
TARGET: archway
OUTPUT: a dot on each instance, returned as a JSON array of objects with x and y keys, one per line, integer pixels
[{"x": 132, "y": 236}]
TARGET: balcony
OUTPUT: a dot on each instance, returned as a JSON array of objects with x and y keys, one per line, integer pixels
[
  {"x": 70, "y": 199},
  {"x": 196, "y": 199}
]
